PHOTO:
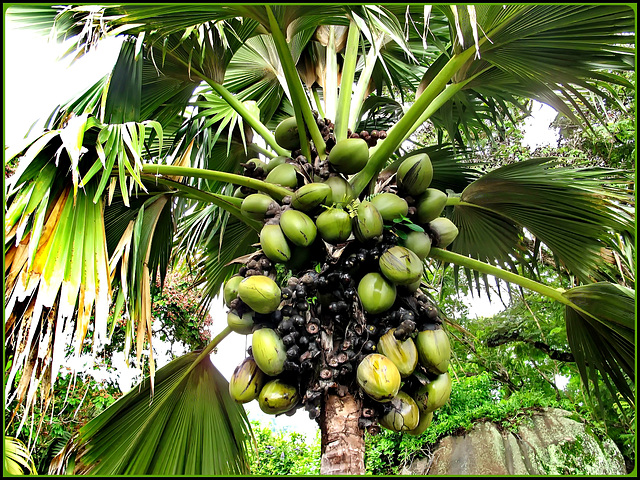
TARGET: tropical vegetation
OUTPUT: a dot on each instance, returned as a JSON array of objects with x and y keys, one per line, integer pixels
[{"x": 152, "y": 167}]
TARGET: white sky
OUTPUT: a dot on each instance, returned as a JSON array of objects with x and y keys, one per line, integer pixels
[{"x": 35, "y": 83}]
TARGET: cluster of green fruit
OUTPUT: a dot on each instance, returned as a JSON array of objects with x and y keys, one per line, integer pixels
[{"x": 349, "y": 315}]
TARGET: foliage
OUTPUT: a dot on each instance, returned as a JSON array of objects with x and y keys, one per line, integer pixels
[
  {"x": 177, "y": 307},
  {"x": 284, "y": 453},
  {"x": 76, "y": 400}
]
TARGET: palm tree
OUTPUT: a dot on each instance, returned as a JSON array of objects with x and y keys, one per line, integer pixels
[{"x": 142, "y": 170}]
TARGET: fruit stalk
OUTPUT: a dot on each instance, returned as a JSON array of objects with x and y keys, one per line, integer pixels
[
  {"x": 275, "y": 191},
  {"x": 555, "y": 294},
  {"x": 396, "y": 134}
]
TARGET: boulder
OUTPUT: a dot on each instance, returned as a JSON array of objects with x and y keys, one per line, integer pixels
[{"x": 548, "y": 442}]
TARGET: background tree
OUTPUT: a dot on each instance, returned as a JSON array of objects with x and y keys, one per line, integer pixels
[{"x": 90, "y": 210}]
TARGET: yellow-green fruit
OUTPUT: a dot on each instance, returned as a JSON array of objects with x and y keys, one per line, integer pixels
[
  {"x": 230, "y": 291},
  {"x": 298, "y": 227},
  {"x": 430, "y": 205},
  {"x": 444, "y": 231},
  {"x": 419, "y": 243},
  {"x": 403, "y": 414},
  {"x": 390, "y": 206},
  {"x": 368, "y": 223},
  {"x": 310, "y": 196},
  {"x": 349, "y": 155},
  {"x": 334, "y": 225},
  {"x": 376, "y": 293},
  {"x": 260, "y": 293},
  {"x": 341, "y": 191},
  {"x": 424, "y": 422},
  {"x": 400, "y": 265},
  {"x": 277, "y": 397},
  {"x": 269, "y": 351},
  {"x": 274, "y": 162},
  {"x": 255, "y": 206},
  {"x": 415, "y": 174},
  {"x": 240, "y": 324},
  {"x": 274, "y": 244},
  {"x": 434, "y": 394},
  {"x": 403, "y": 354},
  {"x": 434, "y": 350},
  {"x": 378, "y": 377},
  {"x": 286, "y": 134},
  {"x": 284, "y": 175},
  {"x": 246, "y": 382}
]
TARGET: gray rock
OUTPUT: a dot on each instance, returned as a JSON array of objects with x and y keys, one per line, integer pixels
[{"x": 546, "y": 443}]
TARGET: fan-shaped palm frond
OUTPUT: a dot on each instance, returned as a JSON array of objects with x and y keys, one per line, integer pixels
[
  {"x": 601, "y": 334},
  {"x": 569, "y": 210},
  {"x": 191, "y": 427}
]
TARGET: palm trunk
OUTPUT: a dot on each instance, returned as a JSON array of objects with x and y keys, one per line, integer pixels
[{"x": 342, "y": 438}]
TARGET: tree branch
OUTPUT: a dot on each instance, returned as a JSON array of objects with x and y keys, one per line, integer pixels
[{"x": 508, "y": 337}]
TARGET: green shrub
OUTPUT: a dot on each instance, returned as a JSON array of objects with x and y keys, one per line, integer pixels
[{"x": 284, "y": 453}]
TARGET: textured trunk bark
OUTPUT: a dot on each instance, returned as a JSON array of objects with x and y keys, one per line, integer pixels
[{"x": 342, "y": 438}]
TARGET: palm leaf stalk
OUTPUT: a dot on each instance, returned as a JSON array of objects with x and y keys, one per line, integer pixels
[
  {"x": 304, "y": 115},
  {"x": 607, "y": 308},
  {"x": 276, "y": 191},
  {"x": 346, "y": 83},
  {"x": 399, "y": 132}
]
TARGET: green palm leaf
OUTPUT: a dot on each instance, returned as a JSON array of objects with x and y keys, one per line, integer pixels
[
  {"x": 602, "y": 335},
  {"x": 191, "y": 427},
  {"x": 17, "y": 460},
  {"x": 567, "y": 209}
]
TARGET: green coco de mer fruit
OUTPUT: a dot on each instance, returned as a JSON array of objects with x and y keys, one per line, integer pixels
[
  {"x": 378, "y": 377},
  {"x": 434, "y": 394},
  {"x": 419, "y": 243},
  {"x": 434, "y": 350},
  {"x": 298, "y": 227},
  {"x": 284, "y": 175},
  {"x": 260, "y": 293},
  {"x": 286, "y": 134},
  {"x": 310, "y": 196},
  {"x": 240, "y": 324},
  {"x": 334, "y": 225},
  {"x": 368, "y": 223},
  {"x": 402, "y": 415},
  {"x": 444, "y": 232},
  {"x": 269, "y": 351},
  {"x": 230, "y": 291},
  {"x": 430, "y": 205},
  {"x": 341, "y": 191},
  {"x": 255, "y": 206},
  {"x": 400, "y": 265},
  {"x": 414, "y": 175},
  {"x": 376, "y": 293},
  {"x": 247, "y": 381},
  {"x": 349, "y": 155},
  {"x": 390, "y": 206},
  {"x": 277, "y": 397},
  {"x": 274, "y": 244},
  {"x": 403, "y": 354}
]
